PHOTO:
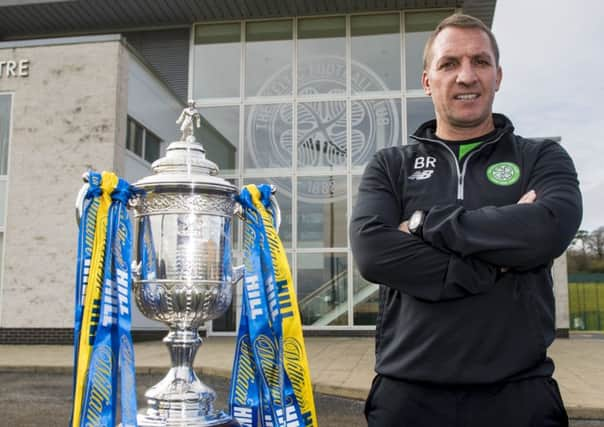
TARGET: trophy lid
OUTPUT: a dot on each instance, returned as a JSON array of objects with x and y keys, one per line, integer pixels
[{"x": 185, "y": 166}]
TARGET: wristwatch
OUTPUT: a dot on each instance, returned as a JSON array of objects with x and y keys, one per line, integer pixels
[{"x": 416, "y": 223}]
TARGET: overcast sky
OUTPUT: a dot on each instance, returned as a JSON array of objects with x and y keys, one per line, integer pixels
[{"x": 552, "y": 54}]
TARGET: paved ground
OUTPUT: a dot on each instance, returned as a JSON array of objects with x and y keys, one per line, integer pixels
[
  {"x": 341, "y": 367},
  {"x": 44, "y": 399}
]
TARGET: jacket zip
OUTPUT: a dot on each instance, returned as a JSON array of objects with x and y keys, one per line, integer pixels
[{"x": 460, "y": 173}]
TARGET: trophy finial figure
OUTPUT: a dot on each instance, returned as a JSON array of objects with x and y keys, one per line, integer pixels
[{"x": 188, "y": 120}]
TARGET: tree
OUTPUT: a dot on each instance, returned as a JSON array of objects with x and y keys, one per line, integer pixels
[
  {"x": 596, "y": 242},
  {"x": 581, "y": 241}
]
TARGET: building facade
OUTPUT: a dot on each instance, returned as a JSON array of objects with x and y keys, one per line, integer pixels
[{"x": 296, "y": 94}]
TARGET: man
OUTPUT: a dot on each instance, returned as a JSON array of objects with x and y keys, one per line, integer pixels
[{"x": 460, "y": 226}]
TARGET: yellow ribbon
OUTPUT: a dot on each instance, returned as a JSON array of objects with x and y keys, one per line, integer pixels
[
  {"x": 92, "y": 299},
  {"x": 294, "y": 351}
]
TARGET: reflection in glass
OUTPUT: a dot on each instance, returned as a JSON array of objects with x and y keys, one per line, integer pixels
[
  {"x": 217, "y": 57},
  {"x": 268, "y": 136},
  {"x": 268, "y": 56},
  {"x": 322, "y": 215},
  {"x": 366, "y": 300},
  {"x": 354, "y": 190},
  {"x": 376, "y": 53},
  {"x": 283, "y": 195},
  {"x": 219, "y": 135},
  {"x": 321, "y": 55},
  {"x": 322, "y": 289},
  {"x": 375, "y": 125},
  {"x": 418, "y": 26},
  {"x": 322, "y": 134},
  {"x": 419, "y": 110}
]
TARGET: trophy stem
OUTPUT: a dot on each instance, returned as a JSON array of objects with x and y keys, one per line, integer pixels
[
  {"x": 183, "y": 345},
  {"x": 180, "y": 398}
]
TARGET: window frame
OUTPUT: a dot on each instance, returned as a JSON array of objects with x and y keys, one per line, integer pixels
[{"x": 144, "y": 131}]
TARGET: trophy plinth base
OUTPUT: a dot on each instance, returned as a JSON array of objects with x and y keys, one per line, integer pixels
[{"x": 219, "y": 419}]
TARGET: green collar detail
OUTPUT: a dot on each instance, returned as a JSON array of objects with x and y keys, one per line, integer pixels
[{"x": 466, "y": 148}]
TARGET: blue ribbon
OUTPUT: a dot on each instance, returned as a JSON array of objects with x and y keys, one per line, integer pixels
[
  {"x": 272, "y": 401},
  {"x": 113, "y": 352},
  {"x": 85, "y": 244}
]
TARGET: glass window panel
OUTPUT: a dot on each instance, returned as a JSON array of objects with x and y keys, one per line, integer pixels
[
  {"x": 134, "y": 137},
  {"x": 284, "y": 199},
  {"x": 322, "y": 216},
  {"x": 376, "y": 53},
  {"x": 268, "y": 56},
  {"x": 418, "y": 27},
  {"x": 321, "y": 55},
  {"x": 376, "y": 124},
  {"x": 130, "y": 132},
  {"x": 217, "y": 33},
  {"x": 268, "y": 30},
  {"x": 137, "y": 139},
  {"x": 313, "y": 28},
  {"x": 322, "y": 134},
  {"x": 3, "y": 185},
  {"x": 322, "y": 289},
  {"x": 219, "y": 134},
  {"x": 236, "y": 224},
  {"x": 217, "y": 54},
  {"x": 366, "y": 300},
  {"x": 354, "y": 191},
  {"x": 268, "y": 136},
  {"x": 152, "y": 147},
  {"x": 1, "y": 249},
  {"x": 5, "y": 107},
  {"x": 366, "y": 295},
  {"x": 227, "y": 322},
  {"x": 419, "y": 110}
]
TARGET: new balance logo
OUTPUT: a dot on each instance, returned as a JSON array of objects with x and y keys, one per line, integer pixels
[{"x": 419, "y": 175}]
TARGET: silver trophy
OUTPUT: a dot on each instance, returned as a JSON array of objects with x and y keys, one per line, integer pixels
[{"x": 182, "y": 270}]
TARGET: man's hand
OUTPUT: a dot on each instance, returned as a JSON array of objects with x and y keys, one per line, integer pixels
[
  {"x": 404, "y": 227},
  {"x": 529, "y": 197}
]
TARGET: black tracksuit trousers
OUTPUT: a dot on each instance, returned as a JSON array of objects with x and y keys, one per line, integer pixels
[{"x": 532, "y": 402}]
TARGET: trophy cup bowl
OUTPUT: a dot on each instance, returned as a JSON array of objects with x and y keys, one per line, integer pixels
[{"x": 183, "y": 277}]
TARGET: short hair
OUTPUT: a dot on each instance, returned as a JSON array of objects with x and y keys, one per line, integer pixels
[{"x": 460, "y": 20}]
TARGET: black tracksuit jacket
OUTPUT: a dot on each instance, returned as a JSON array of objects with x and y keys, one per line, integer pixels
[{"x": 448, "y": 312}]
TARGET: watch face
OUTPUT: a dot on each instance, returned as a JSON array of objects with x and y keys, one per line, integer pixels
[{"x": 416, "y": 220}]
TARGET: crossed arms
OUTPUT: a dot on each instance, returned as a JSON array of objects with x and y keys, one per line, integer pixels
[{"x": 462, "y": 252}]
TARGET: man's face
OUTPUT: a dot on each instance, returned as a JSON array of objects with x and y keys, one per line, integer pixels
[{"x": 462, "y": 78}]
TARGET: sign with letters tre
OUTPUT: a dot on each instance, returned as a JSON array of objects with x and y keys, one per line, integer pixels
[{"x": 14, "y": 69}]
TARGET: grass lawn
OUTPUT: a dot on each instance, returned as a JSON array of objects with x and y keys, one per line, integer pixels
[{"x": 586, "y": 302}]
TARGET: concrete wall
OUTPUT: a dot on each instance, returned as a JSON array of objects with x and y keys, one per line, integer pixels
[
  {"x": 560, "y": 276},
  {"x": 154, "y": 106},
  {"x": 67, "y": 116}
]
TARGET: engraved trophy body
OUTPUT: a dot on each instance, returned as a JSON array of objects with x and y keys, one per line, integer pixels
[{"x": 182, "y": 270}]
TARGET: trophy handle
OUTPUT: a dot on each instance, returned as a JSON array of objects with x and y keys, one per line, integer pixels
[
  {"x": 276, "y": 209},
  {"x": 79, "y": 203},
  {"x": 238, "y": 273}
]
